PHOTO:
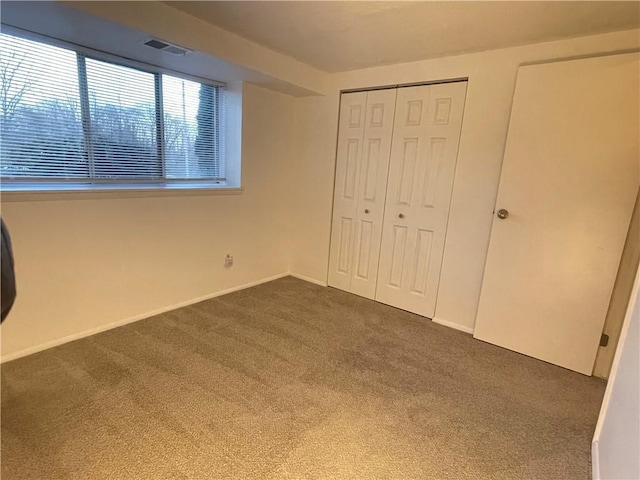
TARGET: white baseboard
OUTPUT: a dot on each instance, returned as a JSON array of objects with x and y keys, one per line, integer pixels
[
  {"x": 125, "y": 321},
  {"x": 455, "y": 326},
  {"x": 308, "y": 279}
]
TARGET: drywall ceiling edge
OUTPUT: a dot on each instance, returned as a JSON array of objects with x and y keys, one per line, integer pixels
[{"x": 253, "y": 62}]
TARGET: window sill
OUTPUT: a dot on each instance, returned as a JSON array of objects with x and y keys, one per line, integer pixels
[{"x": 85, "y": 192}]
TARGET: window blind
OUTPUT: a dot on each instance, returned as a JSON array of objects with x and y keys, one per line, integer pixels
[{"x": 66, "y": 116}]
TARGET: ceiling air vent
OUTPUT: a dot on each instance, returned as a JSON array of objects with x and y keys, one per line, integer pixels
[{"x": 166, "y": 47}]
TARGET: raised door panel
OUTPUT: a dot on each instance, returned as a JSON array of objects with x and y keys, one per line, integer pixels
[
  {"x": 423, "y": 156},
  {"x": 345, "y": 202}
]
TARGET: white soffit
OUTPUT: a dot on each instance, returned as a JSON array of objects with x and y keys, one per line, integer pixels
[
  {"x": 78, "y": 23},
  {"x": 342, "y": 36}
]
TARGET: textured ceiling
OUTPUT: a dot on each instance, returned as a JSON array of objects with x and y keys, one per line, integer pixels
[{"x": 340, "y": 36}]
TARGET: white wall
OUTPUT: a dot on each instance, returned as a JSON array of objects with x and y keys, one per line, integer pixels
[
  {"x": 84, "y": 264},
  {"x": 490, "y": 91},
  {"x": 313, "y": 170},
  {"x": 616, "y": 442}
]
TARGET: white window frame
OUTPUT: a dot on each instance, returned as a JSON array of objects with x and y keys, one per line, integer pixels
[{"x": 37, "y": 189}]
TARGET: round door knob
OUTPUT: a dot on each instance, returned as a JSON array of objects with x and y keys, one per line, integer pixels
[
  {"x": 366, "y": 210},
  {"x": 502, "y": 213},
  {"x": 401, "y": 215}
]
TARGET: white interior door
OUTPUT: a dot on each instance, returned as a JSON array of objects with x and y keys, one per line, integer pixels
[
  {"x": 423, "y": 157},
  {"x": 364, "y": 142},
  {"x": 569, "y": 180}
]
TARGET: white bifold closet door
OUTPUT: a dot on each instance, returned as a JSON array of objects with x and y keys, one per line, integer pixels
[
  {"x": 426, "y": 134},
  {"x": 364, "y": 141},
  {"x": 395, "y": 167}
]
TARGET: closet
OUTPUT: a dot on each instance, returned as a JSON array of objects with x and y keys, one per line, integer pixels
[{"x": 396, "y": 157}]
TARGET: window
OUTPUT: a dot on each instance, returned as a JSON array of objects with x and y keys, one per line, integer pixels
[{"x": 71, "y": 119}]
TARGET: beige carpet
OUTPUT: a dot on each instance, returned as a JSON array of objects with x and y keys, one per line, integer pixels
[{"x": 289, "y": 380}]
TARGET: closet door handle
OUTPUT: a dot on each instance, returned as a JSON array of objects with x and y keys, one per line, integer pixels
[
  {"x": 366, "y": 210},
  {"x": 401, "y": 215}
]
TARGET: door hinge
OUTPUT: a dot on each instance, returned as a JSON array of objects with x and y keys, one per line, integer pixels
[{"x": 604, "y": 340}]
